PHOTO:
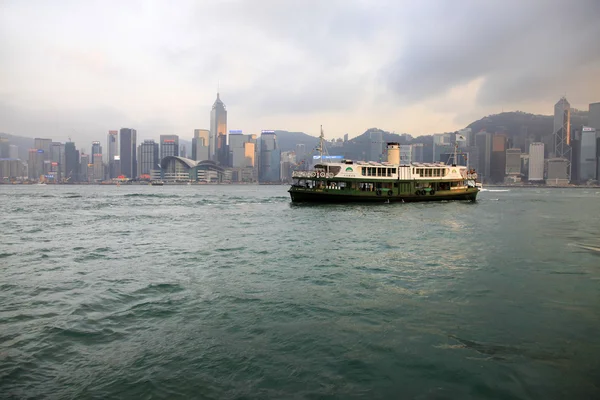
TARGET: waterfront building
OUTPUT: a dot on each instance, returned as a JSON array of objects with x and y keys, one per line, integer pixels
[
  {"x": 406, "y": 154},
  {"x": 417, "y": 153},
  {"x": 179, "y": 169},
  {"x": 96, "y": 148},
  {"x": 12, "y": 169},
  {"x": 218, "y": 127},
  {"x": 483, "y": 142},
  {"x": 465, "y": 134},
  {"x": 288, "y": 161},
  {"x": 200, "y": 145},
  {"x": 5, "y": 148},
  {"x": 270, "y": 158},
  {"x": 35, "y": 163},
  {"x": 98, "y": 167},
  {"x": 57, "y": 155},
  {"x": 72, "y": 172},
  {"x": 588, "y": 155},
  {"x": 86, "y": 171},
  {"x": 513, "y": 161},
  {"x": 594, "y": 122},
  {"x": 536, "y": 162},
  {"x": 498, "y": 157},
  {"x": 562, "y": 132},
  {"x": 113, "y": 151},
  {"x": 148, "y": 158},
  {"x": 557, "y": 172},
  {"x": 43, "y": 144},
  {"x": 169, "y": 146},
  {"x": 128, "y": 152},
  {"x": 376, "y": 146}
]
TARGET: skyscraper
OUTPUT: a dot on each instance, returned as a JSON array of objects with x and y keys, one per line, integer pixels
[
  {"x": 406, "y": 154},
  {"x": 113, "y": 150},
  {"x": 270, "y": 158},
  {"x": 169, "y": 146},
  {"x": 96, "y": 148},
  {"x": 594, "y": 116},
  {"x": 128, "y": 153},
  {"x": 417, "y": 153},
  {"x": 483, "y": 142},
  {"x": 98, "y": 167},
  {"x": 71, "y": 162},
  {"x": 588, "y": 155},
  {"x": 513, "y": 161},
  {"x": 148, "y": 157},
  {"x": 498, "y": 157},
  {"x": 562, "y": 131},
  {"x": 536, "y": 162},
  {"x": 200, "y": 145},
  {"x": 57, "y": 155},
  {"x": 218, "y": 126},
  {"x": 43, "y": 144}
]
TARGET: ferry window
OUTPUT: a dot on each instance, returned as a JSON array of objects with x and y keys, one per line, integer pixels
[{"x": 378, "y": 171}]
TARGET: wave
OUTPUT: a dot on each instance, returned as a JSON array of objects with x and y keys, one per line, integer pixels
[{"x": 155, "y": 195}]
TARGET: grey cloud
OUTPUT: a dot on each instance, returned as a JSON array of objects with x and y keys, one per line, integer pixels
[{"x": 523, "y": 50}]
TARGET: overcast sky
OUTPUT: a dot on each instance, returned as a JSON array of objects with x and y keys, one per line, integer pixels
[{"x": 79, "y": 68}]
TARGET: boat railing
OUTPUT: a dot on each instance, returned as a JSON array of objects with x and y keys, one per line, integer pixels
[{"x": 312, "y": 174}]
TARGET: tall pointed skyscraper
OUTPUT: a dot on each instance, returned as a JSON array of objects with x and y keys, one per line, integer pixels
[
  {"x": 218, "y": 127},
  {"x": 562, "y": 132}
]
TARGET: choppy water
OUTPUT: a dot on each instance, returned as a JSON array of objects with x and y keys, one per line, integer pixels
[{"x": 225, "y": 292}]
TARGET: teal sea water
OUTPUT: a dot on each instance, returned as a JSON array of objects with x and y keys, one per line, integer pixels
[{"x": 231, "y": 292}]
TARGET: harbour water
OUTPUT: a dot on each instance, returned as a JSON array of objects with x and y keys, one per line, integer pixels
[{"x": 231, "y": 292}]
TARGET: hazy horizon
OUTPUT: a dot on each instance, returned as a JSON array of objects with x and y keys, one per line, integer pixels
[{"x": 81, "y": 69}]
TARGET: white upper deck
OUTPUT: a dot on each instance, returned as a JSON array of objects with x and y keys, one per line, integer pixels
[{"x": 384, "y": 170}]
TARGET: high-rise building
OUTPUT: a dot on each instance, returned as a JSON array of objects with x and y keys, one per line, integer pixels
[
  {"x": 43, "y": 144},
  {"x": 72, "y": 172},
  {"x": 270, "y": 158},
  {"x": 13, "y": 151},
  {"x": 98, "y": 167},
  {"x": 536, "y": 162},
  {"x": 300, "y": 152},
  {"x": 86, "y": 172},
  {"x": 594, "y": 116},
  {"x": 182, "y": 151},
  {"x": 239, "y": 149},
  {"x": 513, "y": 161},
  {"x": 4, "y": 148},
  {"x": 218, "y": 126},
  {"x": 35, "y": 164},
  {"x": 588, "y": 164},
  {"x": 288, "y": 160},
  {"x": 376, "y": 146},
  {"x": 169, "y": 146},
  {"x": 417, "y": 153},
  {"x": 148, "y": 159},
  {"x": 483, "y": 142},
  {"x": 57, "y": 155},
  {"x": 113, "y": 151},
  {"x": 498, "y": 157},
  {"x": 222, "y": 150},
  {"x": 128, "y": 152},
  {"x": 562, "y": 131},
  {"x": 96, "y": 148},
  {"x": 200, "y": 145},
  {"x": 406, "y": 154},
  {"x": 12, "y": 169},
  {"x": 464, "y": 137},
  {"x": 345, "y": 138}
]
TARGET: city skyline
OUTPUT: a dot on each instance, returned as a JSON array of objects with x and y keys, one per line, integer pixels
[{"x": 414, "y": 68}]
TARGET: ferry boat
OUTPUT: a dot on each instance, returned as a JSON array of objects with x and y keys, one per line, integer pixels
[
  {"x": 383, "y": 182},
  {"x": 156, "y": 183}
]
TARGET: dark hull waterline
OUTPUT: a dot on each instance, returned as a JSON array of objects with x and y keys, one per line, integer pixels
[{"x": 336, "y": 197}]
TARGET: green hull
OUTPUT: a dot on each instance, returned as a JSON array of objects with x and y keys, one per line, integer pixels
[{"x": 300, "y": 195}]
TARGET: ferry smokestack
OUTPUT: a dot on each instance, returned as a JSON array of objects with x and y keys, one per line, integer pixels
[{"x": 393, "y": 153}]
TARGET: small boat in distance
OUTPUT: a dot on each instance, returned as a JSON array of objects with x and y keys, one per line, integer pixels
[
  {"x": 382, "y": 182},
  {"x": 156, "y": 183}
]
